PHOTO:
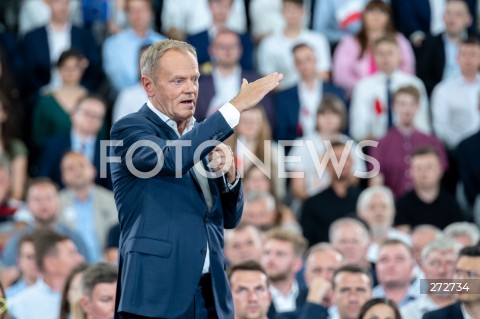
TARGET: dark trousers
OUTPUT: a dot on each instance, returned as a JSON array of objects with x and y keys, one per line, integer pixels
[{"x": 202, "y": 306}]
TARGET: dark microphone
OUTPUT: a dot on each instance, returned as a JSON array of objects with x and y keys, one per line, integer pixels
[{"x": 223, "y": 184}]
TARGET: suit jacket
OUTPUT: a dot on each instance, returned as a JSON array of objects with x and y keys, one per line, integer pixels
[
  {"x": 419, "y": 15},
  {"x": 53, "y": 152},
  {"x": 431, "y": 62},
  {"x": 165, "y": 221},
  {"x": 36, "y": 58},
  {"x": 287, "y": 105},
  {"x": 104, "y": 211},
  {"x": 300, "y": 301},
  {"x": 201, "y": 42},
  {"x": 450, "y": 312},
  {"x": 207, "y": 92}
]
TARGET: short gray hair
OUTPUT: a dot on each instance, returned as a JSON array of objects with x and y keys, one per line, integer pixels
[
  {"x": 348, "y": 221},
  {"x": 366, "y": 196},
  {"x": 463, "y": 228},
  {"x": 261, "y": 196},
  {"x": 441, "y": 243},
  {"x": 321, "y": 247},
  {"x": 151, "y": 56}
]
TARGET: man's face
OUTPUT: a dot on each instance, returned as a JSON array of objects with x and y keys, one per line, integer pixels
[
  {"x": 174, "y": 90},
  {"x": 469, "y": 58},
  {"x": 351, "y": 241},
  {"x": 77, "y": 171},
  {"x": 378, "y": 213},
  {"x": 226, "y": 49},
  {"x": 66, "y": 258},
  {"x": 343, "y": 163},
  {"x": 43, "y": 202},
  {"x": 351, "y": 291},
  {"x": 88, "y": 118},
  {"x": 251, "y": 297},
  {"x": 439, "y": 264},
  {"x": 279, "y": 260},
  {"x": 139, "y": 14},
  {"x": 420, "y": 239},
  {"x": 305, "y": 62},
  {"x": 26, "y": 260},
  {"x": 243, "y": 245},
  {"x": 60, "y": 10},
  {"x": 220, "y": 10},
  {"x": 426, "y": 171},
  {"x": 394, "y": 265},
  {"x": 456, "y": 17},
  {"x": 468, "y": 268},
  {"x": 101, "y": 304},
  {"x": 258, "y": 214},
  {"x": 322, "y": 264},
  {"x": 293, "y": 13},
  {"x": 387, "y": 57},
  {"x": 405, "y": 106}
]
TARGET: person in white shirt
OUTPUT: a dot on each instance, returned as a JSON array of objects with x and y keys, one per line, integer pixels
[
  {"x": 275, "y": 51},
  {"x": 371, "y": 113},
  {"x": 455, "y": 101},
  {"x": 282, "y": 259},
  {"x": 438, "y": 262},
  {"x": 180, "y": 18}
]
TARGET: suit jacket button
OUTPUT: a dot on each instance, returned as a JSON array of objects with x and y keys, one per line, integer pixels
[{"x": 203, "y": 251}]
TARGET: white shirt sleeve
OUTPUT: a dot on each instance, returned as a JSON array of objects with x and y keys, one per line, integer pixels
[{"x": 231, "y": 114}]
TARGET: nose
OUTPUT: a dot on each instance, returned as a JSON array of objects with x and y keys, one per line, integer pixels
[{"x": 191, "y": 87}]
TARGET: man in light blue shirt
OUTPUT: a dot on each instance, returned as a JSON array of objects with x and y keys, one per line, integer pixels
[
  {"x": 120, "y": 51},
  {"x": 56, "y": 257}
]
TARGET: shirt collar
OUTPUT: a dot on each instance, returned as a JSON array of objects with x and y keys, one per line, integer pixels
[
  {"x": 171, "y": 123},
  {"x": 465, "y": 314},
  {"x": 76, "y": 139},
  {"x": 66, "y": 28},
  {"x": 293, "y": 293}
]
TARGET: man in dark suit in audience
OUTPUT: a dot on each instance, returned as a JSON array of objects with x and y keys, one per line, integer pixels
[
  {"x": 87, "y": 121},
  {"x": 468, "y": 272},
  {"x": 224, "y": 80},
  {"x": 437, "y": 58},
  {"x": 296, "y": 107},
  {"x": 41, "y": 48}
]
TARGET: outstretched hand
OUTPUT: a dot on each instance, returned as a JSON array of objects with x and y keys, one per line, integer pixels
[{"x": 252, "y": 93}]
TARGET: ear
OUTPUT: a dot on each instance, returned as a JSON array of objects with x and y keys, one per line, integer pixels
[
  {"x": 298, "y": 264},
  {"x": 84, "y": 303},
  {"x": 148, "y": 85}
]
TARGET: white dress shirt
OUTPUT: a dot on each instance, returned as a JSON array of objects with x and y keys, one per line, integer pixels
[
  {"x": 366, "y": 119},
  {"x": 226, "y": 88},
  {"x": 455, "y": 110},
  {"x": 285, "y": 303},
  {"x": 232, "y": 117},
  {"x": 129, "y": 101},
  {"x": 437, "y": 10},
  {"x": 309, "y": 101},
  {"x": 275, "y": 55},
  {"x": 417, "y": 308},
  {"x": 58, "y": 42}
]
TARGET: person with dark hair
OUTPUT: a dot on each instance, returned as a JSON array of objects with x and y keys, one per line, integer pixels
[
  {"x": 437, "y": 59},
  {"x": 56, "y": 256},
  {"x": 371, "y": 110},
  {"x": 249, "y": 284},
  {"x": 26, "y": 265},
  {"x": 380, "y": 308},
  {"x": 394, "y": 150},
  {"x": 338, "y": 200},
  {"x": 99, "y": 285},
  {"x": 468, "y": 303},
  {"x": 427, "y": 202},
  {"x": 43, "y": 203},
  {"x": 353, "y": 58},
  {"x": 72, "y": 292},
  {"x": 52, "y": 111},
  {"x": 275, "y": 51},
  {"x": 87, "y": 130}
]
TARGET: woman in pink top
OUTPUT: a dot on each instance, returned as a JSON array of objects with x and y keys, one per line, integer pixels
[{"x": 353, "y": 57}]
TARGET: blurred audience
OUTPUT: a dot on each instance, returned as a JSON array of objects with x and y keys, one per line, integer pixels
[
  {"x": 336, "y": 201},
  {"x": 467, "y": 234},
  {"x": 121, "y": 51},
  {"x": 427, "y": 202},
  {"x": 371, "y": 111},
  {"x": 297, "y": 105},
  {"x": 72, "y": 292},
  {"x": 353, "y": 59},
  {"x": 242, "y": 244},
  {"x": 421, "y": 236},
  {"x": 380, "y": 308},
  {"x": 275, "y": 51},
  {"x": 394, "y": 150},
  {"x": 437, "y": 58}
]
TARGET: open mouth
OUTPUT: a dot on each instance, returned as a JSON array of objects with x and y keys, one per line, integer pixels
[{"x": 188, "y": 102}]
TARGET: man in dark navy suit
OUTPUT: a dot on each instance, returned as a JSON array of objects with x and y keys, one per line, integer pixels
[
  {"x": 171, "y": 262},
  {"x": 468, "y": 304}
]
